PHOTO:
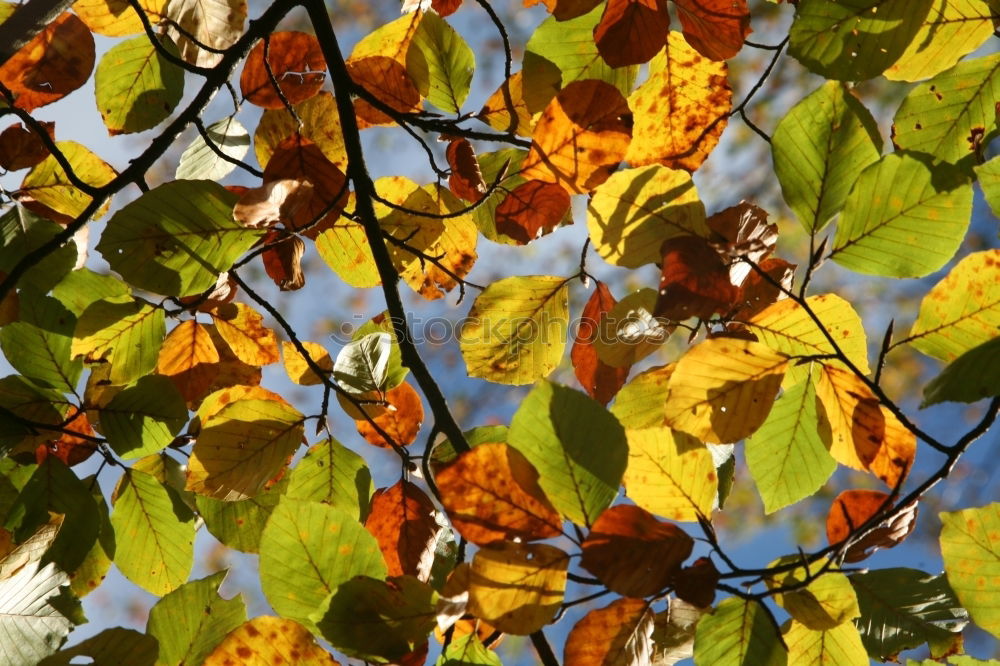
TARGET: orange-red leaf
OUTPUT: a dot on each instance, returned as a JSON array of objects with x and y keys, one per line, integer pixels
[
  {"x": 298, "y": 66},
  {"x": 532, "y": 209},
  {"x": 695, "y": 584},
  {"x": 715, "y": 28},
  {"x": 852, "y": 508},
  {"x": 620, "y": 633},
  {"x": 694, "y": 281},
  {"x": 600, "y": 380},
  {"x": 299, "y": 159},
  {"x": 445, "y": 7},
  {"x": 401, "y": 423},
  {"x": 21, "y": 148},
  {"x": 55, "y": 63},
  {"x": 581, "y": 137},
  {"x": 632, "y": 552},
  {"x": 70, "y": 448},
  {"x": 466, "y": 179},
  {"x": 283, "y": 261},
  {"x": 565, "y": 10},
  {"x": 402, "y": 521},
  {"x": 491, "y": 493},
  {"x": 631, "y": 32}
]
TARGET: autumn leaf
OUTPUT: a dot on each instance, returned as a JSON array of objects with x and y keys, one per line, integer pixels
[
  {"x": 402, "y": 521},
  {"x": 401, "y": 421},
  {"x": 298, "y": 369},
  {"x": 532, "y": 209},
  {"x": 670, "y": 474},
  {"x": 853, "y": 508},
  {"x": 269, "y": 639},
  {"x": 243, "y": 329},
  {"x": 21, "y": 148},
  {"x": 632, "y": 31},
  {"x": 599, "y": 380},
  {"x": 296, "y": 64},
  {"x": 715, "y": 28},
  {"x": 618, "y": 633}
]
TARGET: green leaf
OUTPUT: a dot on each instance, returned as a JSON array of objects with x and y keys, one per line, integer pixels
[
  {"x": 378, "y": 620},
  {"x": 840, "y": 645},
  {"x": 819, "y": 148},
  {"x": 971, "y": 377},
  {"x": 962, "y": 311},
  {"x": 737, "y": 633},
  {"x": 190, "y": 621},
  {"x": 635, "y": 210},
  {"x": 491, "y": 165},
  {"x": 128, "y": 335},
  {"x": 853, "y": 40},
  {"x": 21, "y": 232},
  {"x": 200, "y": 162},
  {"x": 307, "y": 551},
  {"x": 939, "y": 116},
  {"x": 91, "y": 572},
  {"x": 989, "y": 179},
  {"x": 569, "y": 47},
  {"x": 640, "y": 403},
  {"x": 38, "y": 344},
  {"x": 19, "y": 398},
  {"x": 53, "y": 195},
  {"x": 83, "y": 287},
  {"x": 32, "y": 628},
  {"x": 443, "y": 452},
  {"x": 154, "y": 533},
  {"x": 788, "y": 457},
  {"x": 577, "y": 446},
  {"x": 144, "y": 418},
  {"x": 903, "y": 219},
  {"x": 903, "y": 609},
  {"x": 467, "y": 650},
  {"x": 516, "y": 330},
  {"x": 363, "y": 364},
  {"x": 54, "y": 488},
  {"x": 116, "y": 645},
  {"x": 333, "y": 474},
  {"x": 950, "y": 30},
  {"x": 176, "y": 238},
  {"x": 440, "y": 63},
  {"x": 240, "y": 524},
  {"x": 136, "y": 87},
  {"x": 970, "y": 547},
  {"x": 396, "y": 372}
]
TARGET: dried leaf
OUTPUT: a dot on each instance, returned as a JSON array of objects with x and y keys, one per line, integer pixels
[
  {"x": 297, "y": 63},
  {"x": 631, "y": 32},
  {"x": 283, "y": 261},
  {"x": 402, "y": 521},
  {"x": 600, "y": 380},
  {"x": 715, "y": 28},
  {"x": 21, "y": 148},
  {"x": 852, "y": 508}
]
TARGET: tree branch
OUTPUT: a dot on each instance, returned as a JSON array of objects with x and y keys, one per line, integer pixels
[{"x": 26, "y": 22}]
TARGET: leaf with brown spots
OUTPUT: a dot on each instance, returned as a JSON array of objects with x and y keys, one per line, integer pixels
[
  {"x": 681, "y": 110},
  {"x": 243, "y": 328},
  {"x": 378, "y": 64},
  {"x": 715, "y": 28},
  {"x": 632, "y": 31},
  {"x": 189, "y": 358},
  {"x": 402, "y": 422},
  {"x": 269, "y": 640},
  {"x": 295, "y": 60},
  {"x": 402, "y": 521},
  {"x": 531, "y": 210},
  {"x": 694, "y": 281},
  {"x": 299, "y": 159},
  {"x": 581, "y": 137},
  {"x": 491, "y": 493},
  {"x": 632, "y": 552},
  {"x": 620, "y": 634},
  {"x": 21, "y": 148},
  {"x": 852, "y": 508},
  {"x": 466, "y": 180},
  {"x": 600, "y": 380}
]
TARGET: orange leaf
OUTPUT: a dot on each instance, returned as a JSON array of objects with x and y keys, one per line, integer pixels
[
  {"x": 445, "y": 7},
  {"x": 402, "y": 521},
  {"x": 21, "y": 148},
  {"x": 759, "y": 293},
  {"x": 532, "y": 209},
  {"x": 188, "y": 357},
  {"x": 631, "y": 32},
  {"x": 387, "y": 80},
  {"x": 856, "y": 420},
  {"x": 298, "y": 369},
  {"x": 694, "y": 281},
  {"x": 696, "y": 584},
  {"x": 581, "y": 137},
  {"x": 632, "y": 552},
  {"x": 283, "y": 261},
  {"x": 299, "y": 159},
  {"x": 610, "y": 635},
  {"x": 466, "y": 180},
  {"x": 230, "y": 371},
  {"x": 600, "y": 380},
  {"x": 496, "y": 111},
  {"x": 69, "y": 448},
  {"x": 55, "y": 63},
  {"x": 296, "y": 62},
  {"x": 491, "y": 493},
  {"x": 402, "y": 424},
  {"x": 243, "y": 328},
  {"x": 852, "y": 508},
  {"x": 565, "y": 10},
  {"x": 715, "y": 28}
]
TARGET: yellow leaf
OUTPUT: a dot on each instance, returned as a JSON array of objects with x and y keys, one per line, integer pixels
[
  {"x": 670, "y": 474},
  {"x": 211, "y": 405},
  {"x": 344, "y": 247},
  {"x": 640, "y": 403},
  {"x": 517, "y": 587},
  {"x": 269, "y": 640},
  {"x": 297, "y": 368},
  {"x": 186, "y": 357},
  {"x": 826, "y": 602},
  {"x": 841, "y": 645},
  {"x": 46, "y": 189},
  {"x": 723, "y": 389},
  {"x": 681, "y": 110},
  {"x": 243, "y": 328},
  {"x": 320, "y": 124},
  {"x": 116, "y": 18},
  {"x": 496, "y": 113}
]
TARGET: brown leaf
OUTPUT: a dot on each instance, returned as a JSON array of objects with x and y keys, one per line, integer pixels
[
  {"x": 466, "y": 181},
  {"x": 55, "y": 63},
  {"x": 388, "y": 80},
  {"x": 532, "y": 209},
  {"x": 742, "y": 231},
  {"x": 491, "y": 493},
  {"x": 401, "y": 423},
  {"x": 297, "y": 63},
  {"x": 581, "y": 137},
  {"x": 402, "y": 521},
  {"x": 600, "y": 380},
  {"x": 267, "y": 205},
  {"x": 283, "y": 261},
  {"x": 852, "y": 508},
  {"x": 694, "y": 282},
  {"x": 715, "y": 28},
  {"x": 620, "y": 633},
  {"x": 631, "y": 32},
  {"x": 695, "y": 584},
  {"x": 223, "y": 292},
  {"x": 565, "y": 10},
  {"x": 21, "y": 148},
  {"x": 759, "y": 293},
  {"x": 299, "y": 159},
  {"x": 632, "y": 552},
  {"x": 69, "y": 448}
]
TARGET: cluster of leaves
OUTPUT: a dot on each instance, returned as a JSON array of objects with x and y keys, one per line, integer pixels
[{"x": 376, "y": 573}]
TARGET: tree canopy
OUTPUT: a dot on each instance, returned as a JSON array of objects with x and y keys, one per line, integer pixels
[{"x": 140, "y": 329}]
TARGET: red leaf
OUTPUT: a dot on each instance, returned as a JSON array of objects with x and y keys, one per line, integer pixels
[
  {"x": 715, "y": 28},
  {"x": 694, "y": 282},
  {"x": 696, "y": 584},
  {"x": 631, "y": 32},
  {"x": 445, "y": 7},
  {"x": 530, "y": 209},
  {"x": 466, "y": 181},
  {"x": 297, "y": 64},
  {"x": 600, "y": 380}
]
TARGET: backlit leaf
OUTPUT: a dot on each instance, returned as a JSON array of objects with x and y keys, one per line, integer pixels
[
  {"x": 114, "y": 645},
  {"x": 631, "y": 332},
  {"x": 239, "y": 524},
  {"x": 295, "y": 61},
  {"x": 144, "y": 418},
  {"x": 269, "y": 640},
  {"x": 116, "y": 18},
  {"x": 362, "y": 365},
  {"x": 968, "y": 379},
  {"x": 333, "y": 474},
  {"x": 988, "y": 175},
  {"x": 578, "y": 448},
  {"x": 532, "y": 209},
  {"x": 298, "y": 159},
  {"x": 949, "y": 31},
  {"x": 216, "y": 23},
  {"x": 320, "y": 124},
  {"x": 640, "y": 403},
  {"x": 970, "y": 547},
  {"x": 738, "y": 633},
  {"x": 631, "y": 32},
  {"x": 496, "y": 111},
  {"x": 125, "y": 335},
  {"x": 344, "y": 247},
  {"x": 136, "y": 87},
  {"x": 33, "y": 628},
  {"x": 378, "y": 63},
  {"x": 616, "y": 634},
  {"x": 440, "y": 63},
  {"x": 199, "y": 161},
  {"x": 21, "y": 148},
  {"x": 402, "y": 520},
  {"x": 853, "y": 508},
  {"x": 296, "y": 366},
  {"x": 467, "y": 650},
  {"x": 715, "y": 28},
  {"x": 402, "y": 423},
  {"x": 47, "y": 190},
  {"x": 38, "y": 345},
  {"x": 189, "y": 357},
  {"x": 825, "y": 602},
  {"x": 600, "y": 380},
  {"x": 839, "y": 645},
  {"x": 670, "y": 474}
]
